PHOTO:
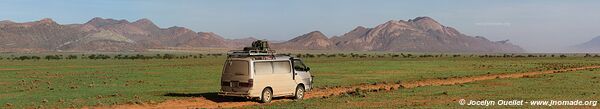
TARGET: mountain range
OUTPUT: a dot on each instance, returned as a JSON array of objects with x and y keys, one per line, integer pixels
[
  {"x": 422, "y": 34},
  {"x": 590, "y": 46}
]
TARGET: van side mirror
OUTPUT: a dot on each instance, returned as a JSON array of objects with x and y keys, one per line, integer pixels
[{"x": 307, "y": 68}]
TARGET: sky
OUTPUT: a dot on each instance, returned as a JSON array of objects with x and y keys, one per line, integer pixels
[{"x": 536, "y": 25}]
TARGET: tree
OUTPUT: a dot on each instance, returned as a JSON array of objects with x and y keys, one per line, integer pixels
[
  {"x": 35, "y": 57},
  {"x": 72, "y": 57},
  {"x": 53, "y": 57},
  {"x": 168, "y": 56},
  {"x": 93, "y": 56},
  {"x": 563, "y": 56}
]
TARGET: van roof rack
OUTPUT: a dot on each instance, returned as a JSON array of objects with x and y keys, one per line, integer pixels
[
  {"x": 252, "y": 52},
  {"x": 258, "y": 48}
]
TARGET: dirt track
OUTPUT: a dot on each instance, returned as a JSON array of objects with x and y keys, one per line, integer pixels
[{"x": 213, "y": 101}]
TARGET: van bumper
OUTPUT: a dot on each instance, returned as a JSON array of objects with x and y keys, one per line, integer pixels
[{"x": 235, "y": 94}]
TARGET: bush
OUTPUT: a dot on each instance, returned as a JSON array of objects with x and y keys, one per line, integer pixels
[
  {"x": 98, "y": 56},
  {"x": 406, "y": 55},
  {"x": 23, "y": 58},
  {"x": 455, "y": 56},
  {"x": 563, "y": 56},
  {"x": 36, "y": 57},
  {"x": 53, "y": 57},
  {"x": 72, "y": 57},
  {"x": 331, "y": 55},
  {"x": 168, "y": 56},
  {"x": 425, "y": 56}
]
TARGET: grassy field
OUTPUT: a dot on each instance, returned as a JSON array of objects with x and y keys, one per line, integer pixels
[
  {"x": 89, "y": 82},
  {"x": 579, "y": 85}
]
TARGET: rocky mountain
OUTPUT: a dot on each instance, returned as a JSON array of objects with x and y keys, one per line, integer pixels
[
  {"x": 6, "y": 22},
  {"x": 590, "y": 46},
  {"x": 40, "y": 35},
  {"x": 101, "y": 34},
  {"x": 311, "y": 41},
  {"x": 422, "y": 34}
]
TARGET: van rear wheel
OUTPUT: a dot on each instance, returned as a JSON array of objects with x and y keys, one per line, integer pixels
[
  {"x": 266, "y": 96},
  {"x": 299, "y": 92}
]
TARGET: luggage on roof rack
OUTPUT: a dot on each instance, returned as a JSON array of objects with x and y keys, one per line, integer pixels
[
  {"x": 258, "y": 45},
  {"x": 258, "y": 48}
]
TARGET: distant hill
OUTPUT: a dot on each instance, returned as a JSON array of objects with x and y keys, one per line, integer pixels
[
  {"x": 40, "y": 35},
  {"x": 311, "y": 41},
  {"x": 590, "y": 46},
  {"x": 422, "y": 34}
]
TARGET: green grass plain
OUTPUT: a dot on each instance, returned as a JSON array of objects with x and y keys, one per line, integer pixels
[
  {"x": 576, "y": 85},
  {"x": 86, "y": 82}
]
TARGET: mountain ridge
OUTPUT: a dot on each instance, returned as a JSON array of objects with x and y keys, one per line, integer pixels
[
  {"x": 592, "y": 45},
  {"x": 421, "y": 34},
  {"x": 103, "y": 34}
]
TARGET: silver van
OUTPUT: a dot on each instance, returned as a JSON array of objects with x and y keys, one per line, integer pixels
[{"x": 252, "y": 74}]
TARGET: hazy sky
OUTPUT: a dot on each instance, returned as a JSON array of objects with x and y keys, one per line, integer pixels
[{"x": 536, "y": 25}]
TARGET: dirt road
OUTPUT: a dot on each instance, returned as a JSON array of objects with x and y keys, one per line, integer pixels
[{"x": 211, "y": 100}]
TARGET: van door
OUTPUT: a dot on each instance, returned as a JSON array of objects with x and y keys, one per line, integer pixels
[
  {"x": 283, "y": 70},
  {"x": 276, "y": 75},
  {"x": 302, "y": 73},
  {"x": 235, "y": 76},
  {"x": 263, "y": 76}
]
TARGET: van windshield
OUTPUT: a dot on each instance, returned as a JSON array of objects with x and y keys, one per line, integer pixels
[
  {"x": 299, "y": 66},
  {"x": 236, "y": 67}
]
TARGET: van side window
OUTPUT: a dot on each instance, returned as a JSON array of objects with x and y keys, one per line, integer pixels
[
  {"x": 299, "y": 66},
  {"x": 263, "y": 68},
  {"x": 281, "y": 67},
  {"x": 236, "y": 67}
]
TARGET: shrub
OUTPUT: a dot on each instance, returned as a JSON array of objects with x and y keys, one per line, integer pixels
[
  {"x": 54, "y": 57},
  {"x": 406, "y": 56},
  {"x": 168, "y": 56},
  {"x": 23, "y": 58},
  {"x": 563, "y": 56},
  {"x": 36, "y": 57},
  {"x": 331, "y": 55},
  {"x": 455, "y": 56},
  {"x": 425, "y": 56},
  {"x": 587, "y": 55},
  {"x": 98, "y": 56},
  {"x": 71, "y": 57}
]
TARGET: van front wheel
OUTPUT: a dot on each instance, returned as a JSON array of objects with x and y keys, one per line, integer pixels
[
  {"x": 266, "y": 96},
  {"x": 299, "y": 92}
]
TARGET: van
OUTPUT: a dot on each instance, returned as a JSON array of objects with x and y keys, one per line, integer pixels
[{"x": 262, "y": 75}]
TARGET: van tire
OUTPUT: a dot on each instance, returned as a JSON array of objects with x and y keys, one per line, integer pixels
[
  {"x": 266, "y": 96},
  {"x": 299, "y": 95}
]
